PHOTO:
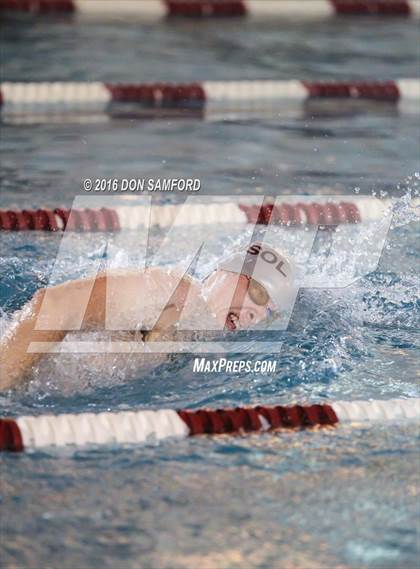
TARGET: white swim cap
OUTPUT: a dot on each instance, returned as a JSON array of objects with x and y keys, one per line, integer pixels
[{"x": 268, "y": 267}]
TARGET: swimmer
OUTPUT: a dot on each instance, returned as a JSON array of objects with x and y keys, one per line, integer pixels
[{"x": 243, "y": 290}]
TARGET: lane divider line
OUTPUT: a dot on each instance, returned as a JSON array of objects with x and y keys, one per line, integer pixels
[
  {"x": 291, "y": 213},
  {"x": 19, "y": 97},
  {"x": 287, "y": 213},
  {"x": 140, "y": 427},
  {"x": 159, "y": 9}
]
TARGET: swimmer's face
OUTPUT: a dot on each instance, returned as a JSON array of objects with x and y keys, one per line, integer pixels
[{"x": 249, "y": 305}]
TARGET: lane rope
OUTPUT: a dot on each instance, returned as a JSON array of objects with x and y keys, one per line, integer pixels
[
  {"x": 293, "y": 214},
  {"x": 18, "y": 97},
  {"x": 140, "y": 427},
  {"x": 159, "y": 9}
]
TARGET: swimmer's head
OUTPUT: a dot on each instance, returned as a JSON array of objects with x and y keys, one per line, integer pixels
[{"x": 260, "y": 279}]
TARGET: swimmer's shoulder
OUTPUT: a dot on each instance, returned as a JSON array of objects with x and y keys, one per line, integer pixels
[
  {"x": 172, "y": 276},
  {"x": 154, "y": 279}
]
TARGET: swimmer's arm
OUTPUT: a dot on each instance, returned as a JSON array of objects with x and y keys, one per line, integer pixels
[{"x": 57, "y": 315}]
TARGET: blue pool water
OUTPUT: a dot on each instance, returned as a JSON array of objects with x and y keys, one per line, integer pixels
[{"x": 345, "y": 498}]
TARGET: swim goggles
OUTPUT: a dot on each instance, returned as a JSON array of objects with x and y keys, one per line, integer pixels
[{"x": 257, "y": 293}]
